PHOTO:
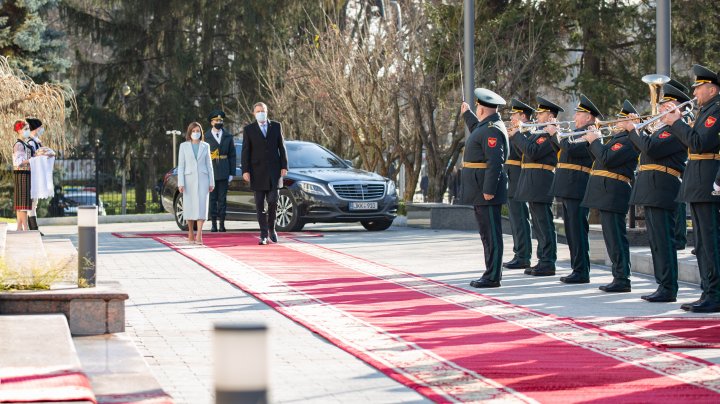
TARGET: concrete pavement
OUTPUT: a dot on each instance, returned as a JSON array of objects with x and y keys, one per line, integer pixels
[{"x": 174, "y": 302}]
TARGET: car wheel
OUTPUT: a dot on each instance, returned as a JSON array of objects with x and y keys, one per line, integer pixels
[
  {"x": 376, "y": 225},
  {"x": 288, "y": 218},
  {"x": 179, "y": 213}
]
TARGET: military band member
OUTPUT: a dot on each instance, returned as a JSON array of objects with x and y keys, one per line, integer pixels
[
  {"x": 518, "y": 211},
  {"x": 681, "y": 211},
  {"x": 571, "y": 177},
  {"x": 536, "y": 177},
  {"x": 703, "y": 142},
  {"x": 662, "y": 162},
  {"x": 608, "y": 190},
  {"x": 484, "y": 183},
  {"x": 223, "y": 156}
]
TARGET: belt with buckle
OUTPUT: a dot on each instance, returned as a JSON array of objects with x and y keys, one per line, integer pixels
[
  {"x": 612, "y": 175},
  {"x": 576, "y": 167},
  {"x": 658, "y": 167},
  {"x": 474, "y": 165}
]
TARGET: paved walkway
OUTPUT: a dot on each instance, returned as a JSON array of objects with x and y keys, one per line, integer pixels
[{"x": 174, "y": 302}]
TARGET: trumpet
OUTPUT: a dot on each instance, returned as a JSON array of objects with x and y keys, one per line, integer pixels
[
  {"x": 575, "y": 136},
  {"x": 642, "y": 125},
  {"x": 536, "y": 127}
]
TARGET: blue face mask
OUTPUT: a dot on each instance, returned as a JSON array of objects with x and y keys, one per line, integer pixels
[
  {"x": 261, "y": 116},
  {"x": 39, "y": 132},
  {"x": 26, "y": 133},
  {"x": 195, "y": 135}
]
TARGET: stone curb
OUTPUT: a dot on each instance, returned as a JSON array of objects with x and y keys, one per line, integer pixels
[{"x": 71, "y": 220}]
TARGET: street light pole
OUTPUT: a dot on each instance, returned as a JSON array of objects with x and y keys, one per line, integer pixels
[
  {"x": 662, "y": 37},
  {"x": 174, "y": 133}
]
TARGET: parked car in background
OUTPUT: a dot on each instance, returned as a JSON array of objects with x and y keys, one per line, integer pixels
[
  {"x": 320, "y": 188},
  {"x": 75, "y": 197}
]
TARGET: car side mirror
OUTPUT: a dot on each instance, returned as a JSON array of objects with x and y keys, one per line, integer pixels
[{"x": 349, "y": 162}]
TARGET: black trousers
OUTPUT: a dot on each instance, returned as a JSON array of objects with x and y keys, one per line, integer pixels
[
  {"x": 266, "y": 219},
  {"x": 575, "y": 218},
  {"x": 520, "y": 227},
  {"x": 488, "y": 219},
  {"x": 706, "y": 227},
  {"x": 681, "y": 226},
  {"x": 544, "y": 230},
  {"x": 616, "y": 242},
  {"x": 660, "y": 225},
  {"x": 218, "y": 200}
]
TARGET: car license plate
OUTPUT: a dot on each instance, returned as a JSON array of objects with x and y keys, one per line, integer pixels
[{"x": 363, "y": 205}]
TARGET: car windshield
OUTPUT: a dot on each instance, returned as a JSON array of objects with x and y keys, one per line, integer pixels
[
  {"x": 85, "y": 199},
  {"x": 307, "y": 155}
]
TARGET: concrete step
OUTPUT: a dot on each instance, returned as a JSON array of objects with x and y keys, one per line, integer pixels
[
  {"x": 117, "y": 370},
  {"x": 24, "y": 254},
  {"x": 37, "y": 345},
  {"x": 62, "y": 257},
  {"x": 688, "y": 270}
]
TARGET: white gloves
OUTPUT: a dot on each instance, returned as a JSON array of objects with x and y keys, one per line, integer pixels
[
  {"x": 716, "y": 187},
  {"x": 230, "y": 178}
]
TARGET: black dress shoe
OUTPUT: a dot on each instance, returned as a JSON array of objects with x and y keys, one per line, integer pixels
[
  {"x": 575, "y": 277},
  {"x": 693, "y": 252},
  {"x": 516, "y": 264},
  {"x": 706, "y": 306},
  {"x": 214, "y": 229},
  {"x": 615, "y": 287},
  {"x": 659, "y": 297},
  {"x": 529, "y": 270},
  {"x": 273, "y": 236},
  {"x": 687, "y": 306},
  {"x": 542, "y": 270},
  {"x": 222, "y": 226},
  {"x": 484, "y": 283},
  {"x": 263, "y": 241}
]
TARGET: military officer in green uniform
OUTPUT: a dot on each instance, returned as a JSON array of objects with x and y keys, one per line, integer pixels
[
  {"x": 662, "y": 162},
  {"x": 681, "y": 211},
  {"x": 608, "y": 190},
  {"x": 536, "y": 176},
  {"x": 703, "y": 142},
  {"x": 518, "y": 211},
  {"x": 484, "y": 183},
  {"x": 571, "y": 177}
]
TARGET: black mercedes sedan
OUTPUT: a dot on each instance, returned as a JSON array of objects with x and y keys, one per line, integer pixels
[{"x": 320, "y": 188}]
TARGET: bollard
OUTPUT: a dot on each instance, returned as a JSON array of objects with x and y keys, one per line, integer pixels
[
  {"x": 241, "y": 370},
  {"x": 87, "y": 245}
]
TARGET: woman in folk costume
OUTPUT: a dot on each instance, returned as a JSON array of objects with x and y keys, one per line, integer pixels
[
  {"x": 21, "y": 174},
  {"x": 195, "y": 179}
]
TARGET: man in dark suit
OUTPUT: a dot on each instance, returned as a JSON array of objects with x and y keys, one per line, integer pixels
[
  {"x": 222, "y": 153},
  {"x": 608, "y": 190},
  {"x": 484, "y": 181},
  {"x": 703, "y": 142},
  {"x": 264, "y": 163}
]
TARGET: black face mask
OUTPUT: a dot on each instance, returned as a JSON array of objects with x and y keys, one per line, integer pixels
[{"x": 218, "y": 126}]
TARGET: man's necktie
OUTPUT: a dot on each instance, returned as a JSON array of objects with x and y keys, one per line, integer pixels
[{"x": 264, "y": 130}]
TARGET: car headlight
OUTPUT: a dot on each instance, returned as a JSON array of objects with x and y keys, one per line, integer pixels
[
  {"x": 391, "y": 188},
  {"x": 313, "y": 188}
]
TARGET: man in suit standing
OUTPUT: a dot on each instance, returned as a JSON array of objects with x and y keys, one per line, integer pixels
[
  {"x": 222, "y": 154},
  {"x": 264, "y": 163}
]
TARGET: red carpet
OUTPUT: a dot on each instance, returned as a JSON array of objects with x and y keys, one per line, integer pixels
[
  {"x": 41, "y": 385},
  {"x": 447, "y": 343},
  {"x": 673, "y": 332}
]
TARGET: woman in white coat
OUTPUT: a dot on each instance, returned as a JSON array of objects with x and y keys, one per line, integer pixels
[{"x": 195, "y": 179}]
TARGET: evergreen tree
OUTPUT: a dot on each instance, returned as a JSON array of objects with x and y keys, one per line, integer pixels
[{"x": 28, "y": 42}]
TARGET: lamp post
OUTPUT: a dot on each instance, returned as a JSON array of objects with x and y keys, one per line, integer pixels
[
  {"x": 174, "y": 133},
  {"x": 240, "y": 355}
]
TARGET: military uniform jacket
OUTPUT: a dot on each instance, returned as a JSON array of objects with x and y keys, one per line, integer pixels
[
  {"x": 488, "y": 144},
  {"x": 702, "y": 138},
  {"x": 534, "y": 183},
  {"x": 573, "y": 171},
  {"x": 512, "y": 167},
  {"x": 656, "y": 188},
  {"x": 222, "y": 155},
  {"x": 618, "y": 156}
]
